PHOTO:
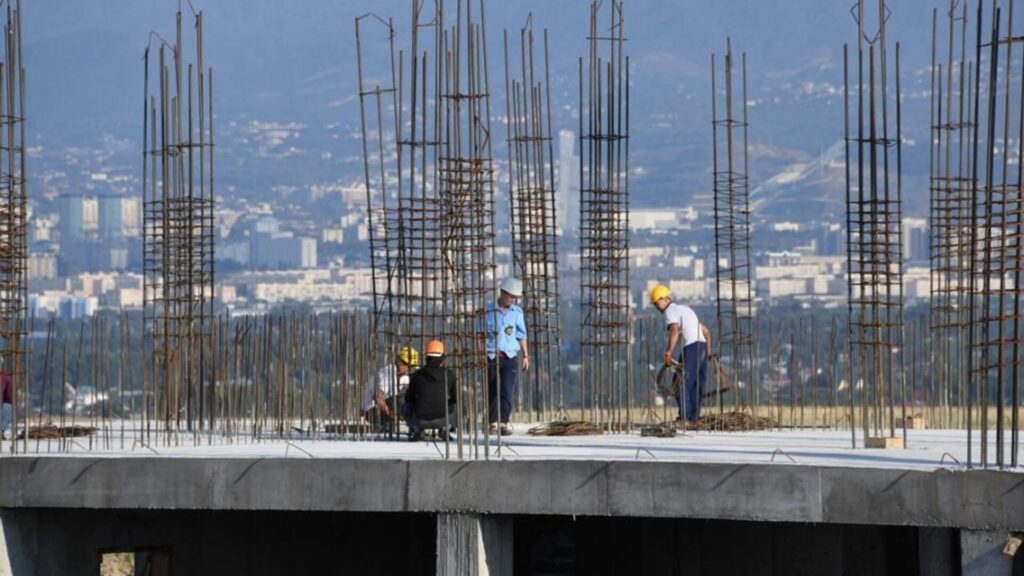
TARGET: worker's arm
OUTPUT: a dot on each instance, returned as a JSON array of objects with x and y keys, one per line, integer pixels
[
  {"x": 521, "y": 337},
  {"x": 706, "y": 332},
  {"x": 673, "y": 339},
  {"x": 382, "y": 402}
]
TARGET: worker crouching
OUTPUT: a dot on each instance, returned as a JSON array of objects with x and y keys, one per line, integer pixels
[{"x": 430, "y": 398}]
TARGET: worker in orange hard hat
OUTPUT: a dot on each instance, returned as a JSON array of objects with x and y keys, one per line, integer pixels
[
  {"x": 682, "y": 323},
  {"x": 430, "y": 398}
]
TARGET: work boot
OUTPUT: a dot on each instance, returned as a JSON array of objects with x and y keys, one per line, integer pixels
[
  {"x": 493, "y": 429},
  {"x": 416, "y": 436},
  {"x": 506, "y": 429}
]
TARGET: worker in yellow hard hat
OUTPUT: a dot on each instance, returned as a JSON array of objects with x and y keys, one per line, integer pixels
[
  {"x": 381, "y": 397},
  {"x": 682, "y": 324}
]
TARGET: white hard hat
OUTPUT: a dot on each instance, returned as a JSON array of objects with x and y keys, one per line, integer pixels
[{"x": 512, "y": 285}]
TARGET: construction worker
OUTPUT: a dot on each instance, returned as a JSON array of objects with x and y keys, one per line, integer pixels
[
  {"x": 506, "y": 342},
  {"x": 380, "y": 397},
  {"x": 430, "y": 398},
  {"x": 682, "y": 324}
]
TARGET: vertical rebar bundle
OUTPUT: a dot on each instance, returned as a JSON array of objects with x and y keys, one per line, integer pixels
[
  {"x": 466, "y": 179},
  {"x": 419, "y": 223},
  {"x": 732, "y": 226},
  {"x": 534, "y": 228},
  {"x": 605, "y": 303},
  {"x": 433, "y": 246},
  {"x": 13, "y": 218},
  {"x": 178, "y": 251},
  {"x": 997, "y": 259},
  {"x": 379, "y": 115},
  {"x": 950, "y": 208},
  {"x": 874, "y": 216}
]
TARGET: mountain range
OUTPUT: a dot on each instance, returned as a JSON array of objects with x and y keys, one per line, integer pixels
[{"x": 287, "y": 112}]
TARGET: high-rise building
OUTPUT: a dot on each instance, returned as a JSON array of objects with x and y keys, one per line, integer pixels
[
  {"x": 916, "y": 240},
  {"x": 111, "y": 217},
  {"x": 90, "y": 216},
  {"x": 71, "y": 209},
  {"x": 132, "y": 215},
  {"x": 273, "y": 248},
  {"x": 568, "y": 196}
]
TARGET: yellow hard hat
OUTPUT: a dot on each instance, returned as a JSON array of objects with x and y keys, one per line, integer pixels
[
  {"x": 658, "y": 292},
  {"x": 409, "y": 356}
]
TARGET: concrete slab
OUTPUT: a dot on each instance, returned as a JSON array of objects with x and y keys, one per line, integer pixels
[
  {"x": 926, "y": 449},
  {"x": 976, "y": 499}
]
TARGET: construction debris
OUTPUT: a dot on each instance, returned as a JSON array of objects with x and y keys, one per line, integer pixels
[
  {"x": 731, "y": 422},
  {"x": 574, "y": 428},
  {"x": 661, "y": 430},
  {"x": 51, "y": 432}
]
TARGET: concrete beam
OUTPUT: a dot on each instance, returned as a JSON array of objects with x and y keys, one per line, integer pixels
[
  {"x": 975, "y": 499},
  {"x": 18, "y": 542},
  {"x": 474, "y": 545}
]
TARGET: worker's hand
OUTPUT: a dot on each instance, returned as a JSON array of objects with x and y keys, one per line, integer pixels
[
  {"x": 713, "y": 357},
  {"x": 526, "y": 363},
  {"x": 669, "y": 361}
]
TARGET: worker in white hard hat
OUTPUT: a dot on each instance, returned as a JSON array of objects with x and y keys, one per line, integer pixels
[
  {"x": 506, "y": 344},
  {"x": 682, "y": 323}
]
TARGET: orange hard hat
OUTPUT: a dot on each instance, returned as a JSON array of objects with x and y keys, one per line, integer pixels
[{"x": 435, "y": 348}]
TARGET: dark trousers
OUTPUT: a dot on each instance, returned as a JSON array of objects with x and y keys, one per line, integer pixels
[
  {"x": 508, "y": 369},
  {"x": 415, "y": 423},
  {"x": 695, "y": 360}
]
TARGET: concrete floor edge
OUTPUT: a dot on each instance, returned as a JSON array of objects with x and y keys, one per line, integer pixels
[{"x": 968, "y": 499}]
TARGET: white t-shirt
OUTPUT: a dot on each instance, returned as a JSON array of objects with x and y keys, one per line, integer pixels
[
  {"x": 385, "y": 383},
  {"x": 686, "y": 319}
]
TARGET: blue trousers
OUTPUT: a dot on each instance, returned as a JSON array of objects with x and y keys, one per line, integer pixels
[
  {"x": 695, "y": 359},
  {"x": 509, "y": 371}
]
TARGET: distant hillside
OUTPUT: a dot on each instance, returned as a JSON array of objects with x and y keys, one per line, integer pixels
[{"x": 293, "y": 63}]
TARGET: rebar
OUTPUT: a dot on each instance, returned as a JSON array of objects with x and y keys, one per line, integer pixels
[
  {"x": 950, "y": 205},
  {"x": 13, "y": 223},
  {"x": 466, "y": 179},
  {"x": 996, "y": 258},
  {"x": 731, "y": 186},
  {"x": 534, "y": 226},
  {"x": 605, "y": 301},
  {"x": 874, "y": 231},
  {"x": 433, "y": 254},
  {"x": 178, "y": 236}
]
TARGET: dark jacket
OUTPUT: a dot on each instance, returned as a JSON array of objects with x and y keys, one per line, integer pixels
[{"x": 426, "y": 393}]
